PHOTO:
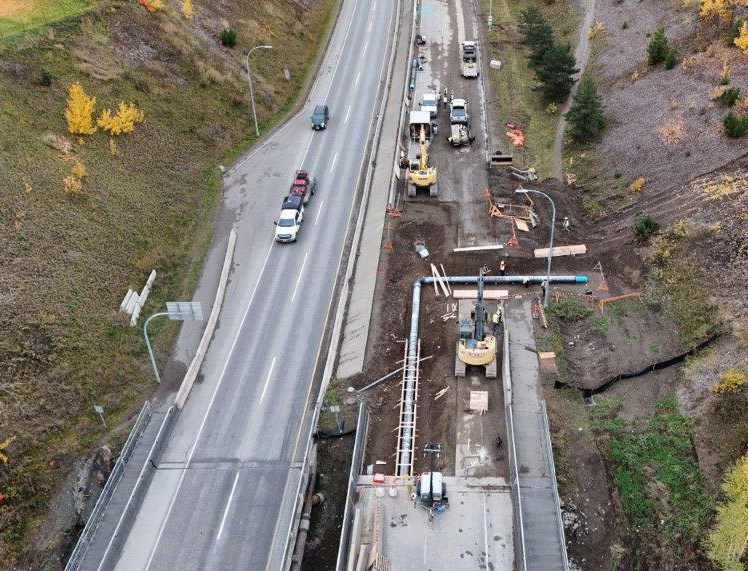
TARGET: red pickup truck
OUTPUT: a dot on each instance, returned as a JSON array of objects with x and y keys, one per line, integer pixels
[{"x": 303, "y": 185}]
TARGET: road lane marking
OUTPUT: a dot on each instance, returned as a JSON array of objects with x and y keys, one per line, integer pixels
[
  {"x": 371, "y": 24},
  {"x": 207, "y": 412},
  {"x": 318, "y": 212},
  {"x": 326, "y": 321},
  {"x": 366, "y": 45},
  {"x": 301, "y": 272},
  {"x": 335, "y": 158},
  {"x": 347, "y": 114},
  {"x": 358, "y": 76},
  {"x": 267, "y": 381},
  {"x": 345, "y": 40},
  {"x": 228, "y": 505}
]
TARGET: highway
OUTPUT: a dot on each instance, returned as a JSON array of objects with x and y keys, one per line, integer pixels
[{"x": 216, "y": 499}]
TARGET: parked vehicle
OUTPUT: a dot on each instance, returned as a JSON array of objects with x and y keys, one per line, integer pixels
[
  {"x": 469, "y": 63},
  {"x": 458, "y": 111},
  {"x": 430, "y": 102},
  {"x": 320, "y": 117},
  {"x": 460, "y": 135},
  {"x": 289, "y": 222}
]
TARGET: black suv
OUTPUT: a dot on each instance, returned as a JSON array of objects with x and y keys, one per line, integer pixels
[{"x": 320, "y": 117}]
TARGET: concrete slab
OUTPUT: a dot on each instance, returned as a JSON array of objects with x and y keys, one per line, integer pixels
[
  {"x": 544, "y": 541},
  {"x": 474, "y": 533}
]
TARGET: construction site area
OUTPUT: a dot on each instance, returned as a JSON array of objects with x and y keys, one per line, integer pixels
[{"x": 489, "y": 363}]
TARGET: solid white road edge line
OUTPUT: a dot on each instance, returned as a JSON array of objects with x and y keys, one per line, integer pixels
[{"x": 228, "y": 505}]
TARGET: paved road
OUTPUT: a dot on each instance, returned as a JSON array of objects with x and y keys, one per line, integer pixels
[{"x": 215, "y": 501}]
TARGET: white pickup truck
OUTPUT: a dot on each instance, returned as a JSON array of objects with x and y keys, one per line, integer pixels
[
  {"x": 458, "y": 112},
  {"x": 469, "y": 63},
  {"x": 289, "y": 222}
]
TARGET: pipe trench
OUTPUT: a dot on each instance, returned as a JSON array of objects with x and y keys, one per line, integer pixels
[{"x": 407, "y": 437}]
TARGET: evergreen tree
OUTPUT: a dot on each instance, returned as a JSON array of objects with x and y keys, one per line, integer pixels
[
  {"x": 530, "y": 18},
  {"x": 555, "y": 73},
  {"x": 585, "y": 117},
  {"x": 658, "y": 48},
  {"x": 541, "y": 41}
]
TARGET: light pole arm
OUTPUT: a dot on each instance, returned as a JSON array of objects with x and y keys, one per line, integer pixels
[{"x": 148, "y": 343}]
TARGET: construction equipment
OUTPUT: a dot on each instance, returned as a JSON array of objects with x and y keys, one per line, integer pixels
[
  {"x": 474, "y": 345},
  {"x": 424, "y": 176},
  {"x": 460, "y": 135},
  {"x": 527, "y": 175}
]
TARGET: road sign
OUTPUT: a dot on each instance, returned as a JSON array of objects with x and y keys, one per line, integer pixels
[{"x": 185, "y": 310}]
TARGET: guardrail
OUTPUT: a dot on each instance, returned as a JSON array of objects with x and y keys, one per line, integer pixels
[
  {"x": 552, "y": 471},
  {"x": 362, "y": 432},
  {"x": 520, "y": 557},
  {"x": 106, "y": 494}
]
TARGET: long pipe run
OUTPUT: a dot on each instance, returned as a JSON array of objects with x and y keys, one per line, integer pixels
[{"x": 406, "y": 453}]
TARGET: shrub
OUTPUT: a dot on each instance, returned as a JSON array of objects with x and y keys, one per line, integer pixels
[
  {"x": 657, "y": 50},
  {"x": 741, "y": 41},
  {"x": 228, "y": 38},
  {"x": 732, "y": 382},
  {"x": 569, "y": 309},
  {"x": 79, "y": 111},
  {"x": 729, "y": 96},
  {"x": 724, "y": 75},
  {"x": 644, "y": 227},
  {"x": 123, "y": 122},
  {"x": 636, "y": 186},
  {"x": 45, "y": 77},
  {"x": 735, "y": 127},
  {"x": 624, "y": 25},
  {"x": 671, "y": 59}
]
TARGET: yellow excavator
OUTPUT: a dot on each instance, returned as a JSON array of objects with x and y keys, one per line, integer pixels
[
  {"x": 475, "y": 346},
  {"x": 425, "y": 176}
]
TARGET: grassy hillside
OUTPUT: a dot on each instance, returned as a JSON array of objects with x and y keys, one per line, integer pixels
[{"x": 67, "y": 261}]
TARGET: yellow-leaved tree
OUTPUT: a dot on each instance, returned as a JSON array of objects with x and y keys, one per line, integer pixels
[
  {"x": 727, "y": 541},
  {"x": 710, "y": 8},
  {"x": 73, "y": 183},
  {"x": 742, "y": 40},
  {"x": 152, "y": 5},
  {"x": 123, "y": 122},
  {"x": 79, "y": 112},
  {"x": 187, "y": 9},
  {"x": 4, "y": 445}
]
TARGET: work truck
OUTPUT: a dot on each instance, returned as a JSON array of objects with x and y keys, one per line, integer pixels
[
  {"x": 469, "y": 63},
  {"x": 458, "y": 112},
  {"x": 429, "y": 102}
]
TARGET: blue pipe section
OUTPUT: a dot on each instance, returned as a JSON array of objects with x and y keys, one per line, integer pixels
[{"x": 406, "y": 452}]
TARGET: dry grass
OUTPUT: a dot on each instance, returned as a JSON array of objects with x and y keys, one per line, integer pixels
[
  {"x": 67, "y": 261},
  {"x": 513, "y": 85}
]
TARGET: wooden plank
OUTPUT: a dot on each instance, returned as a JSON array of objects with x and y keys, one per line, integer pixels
[
  {"x": 562, "y": 251},
  {"x": 487, "y": 294},
  {"x": 479, "y": 248},
  {"x": 521, "y": 225}
]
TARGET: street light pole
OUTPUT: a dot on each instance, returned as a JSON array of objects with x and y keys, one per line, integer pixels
[
  {"x": 148, "y": 343},
  {"x": 251, "y": 92},
  {"x": 550, "y": 246}
]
